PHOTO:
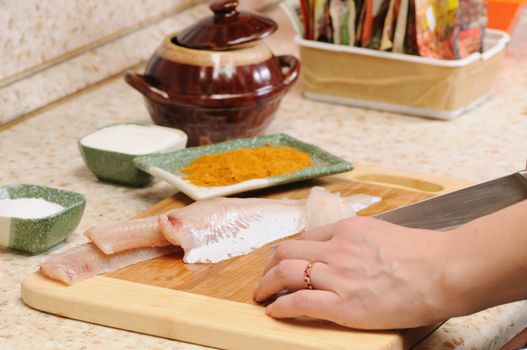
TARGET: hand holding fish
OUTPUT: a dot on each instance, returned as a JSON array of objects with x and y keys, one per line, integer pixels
[
  {"x": 371, "y": 274},
  {"x": 364, "y": 275}
]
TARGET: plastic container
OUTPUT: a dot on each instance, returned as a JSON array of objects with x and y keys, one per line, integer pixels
[{"x": 441, "y": 89}]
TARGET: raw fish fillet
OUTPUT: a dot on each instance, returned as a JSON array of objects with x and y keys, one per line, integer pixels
[
  {"x": 119, "y": 236},
  {"x": 361, "y": 201},
  {"x": 86, "y": 261},
  {"x": 324, "y": 207},
  {"x": 227, "y": 227},
  {"x": 221, "y": 228}
]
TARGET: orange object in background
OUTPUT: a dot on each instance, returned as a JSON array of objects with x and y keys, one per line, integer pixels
[{"x": 503, "y": 14}]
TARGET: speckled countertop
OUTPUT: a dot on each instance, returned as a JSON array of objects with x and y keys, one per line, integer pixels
[{"x": 488, "y": 142}]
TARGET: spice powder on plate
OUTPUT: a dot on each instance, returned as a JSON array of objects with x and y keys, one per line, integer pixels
[{"x": 231, "y": 167}]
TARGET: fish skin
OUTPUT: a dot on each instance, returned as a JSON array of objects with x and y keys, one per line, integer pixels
[
  {"x": 120, "y": 236},
  {"x": 86, "y": 260},
  {"x": 221, "y": 228}
]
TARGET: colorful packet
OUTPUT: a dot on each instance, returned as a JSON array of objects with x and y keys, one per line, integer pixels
[
  {"x": 318, "y": 19},
  {"x": 410, "y": 42},
  {"x": 358, "y": 8},
  {"x": 389, "y": 25},
  {"x": 305, "y": 10},
  {"x": 360, "y": 23},
  {"x": 400, "y": 28},
  {"x": 470, "y": 27},
  {"x": 435, "y": 24},
  {"x": 312, "y": 22},
  {"x": 367, "y": 23},
  {"x": 351, "y": 21},
  {"x": 322, "y": 20},
  {"x": 339, "y": 12},
  {"x": 327, "y": 20},
  {"x": 380, "y": 9},
  {"x": 337, "y": 15}
]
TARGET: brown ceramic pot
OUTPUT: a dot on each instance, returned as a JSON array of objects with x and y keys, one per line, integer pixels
[{"x": 217, "y": 80}]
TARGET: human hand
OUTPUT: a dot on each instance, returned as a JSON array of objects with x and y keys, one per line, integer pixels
[{"x": 366, "y": 273}]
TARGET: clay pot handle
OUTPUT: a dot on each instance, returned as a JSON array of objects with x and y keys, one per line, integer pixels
[
  {"x": 138, "y": 82},
  {"x": 224, "y": 8},
  {"x": 293, "y": 64}
]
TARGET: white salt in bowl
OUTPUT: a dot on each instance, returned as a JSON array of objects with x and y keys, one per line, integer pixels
[
  {"x": 35, "y": 218},
  {"x": 109, "y": 152}
]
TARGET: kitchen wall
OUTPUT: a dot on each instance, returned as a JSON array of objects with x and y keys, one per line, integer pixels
[{"x": 50, "y": 49}]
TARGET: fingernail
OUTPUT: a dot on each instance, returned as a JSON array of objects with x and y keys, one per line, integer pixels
[{"x": 268, "y": 309}]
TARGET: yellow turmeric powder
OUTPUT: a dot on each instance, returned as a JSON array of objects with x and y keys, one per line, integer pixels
[{"x": 231, "y": 167}]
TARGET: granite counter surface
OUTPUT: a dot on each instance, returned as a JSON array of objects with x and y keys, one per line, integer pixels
[{"x": 488, "y": 142}]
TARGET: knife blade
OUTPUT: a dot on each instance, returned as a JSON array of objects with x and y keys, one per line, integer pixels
[{"x": 456, "y": 208}]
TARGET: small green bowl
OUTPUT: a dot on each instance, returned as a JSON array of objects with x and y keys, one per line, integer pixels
[
  {"x": 118, "y": 167},
  {"x": 36, "y": 235}
]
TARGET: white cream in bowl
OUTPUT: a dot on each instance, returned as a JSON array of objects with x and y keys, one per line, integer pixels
[
  {"x": 136, "y": 139},
  {"x": 109, "y": 152}
]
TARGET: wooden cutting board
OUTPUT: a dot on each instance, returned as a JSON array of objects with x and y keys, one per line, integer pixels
[{"x": 211, "y": 304}]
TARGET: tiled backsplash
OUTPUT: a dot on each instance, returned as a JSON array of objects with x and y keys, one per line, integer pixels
[
  {"x": 36, "y": 32},
  {"x": 50, "y": 49}
]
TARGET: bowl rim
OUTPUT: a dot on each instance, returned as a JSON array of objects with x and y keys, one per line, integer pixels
[
  {"x": 182, "y": 134},
  {"x": 80, "y": 200}
]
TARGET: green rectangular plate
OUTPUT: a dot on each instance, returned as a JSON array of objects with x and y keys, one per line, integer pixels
[{"x": 167, "y": 166}]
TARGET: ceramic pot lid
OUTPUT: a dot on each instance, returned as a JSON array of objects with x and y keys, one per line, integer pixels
[{"x": 226, "y": 28}]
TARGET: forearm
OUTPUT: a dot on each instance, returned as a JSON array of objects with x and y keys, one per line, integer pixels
[{"x": 488, "y": 260}]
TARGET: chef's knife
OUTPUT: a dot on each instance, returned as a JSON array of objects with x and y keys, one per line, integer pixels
[{"x": 456, "y": 208}]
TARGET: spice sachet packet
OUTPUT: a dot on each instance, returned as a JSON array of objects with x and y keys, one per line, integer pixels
[
  {"x": 306, "y": 18},
  {"x": 388, "y": 30},
  {"x": 469, "y": 30},
  {"x": 450, "y": 29},
  {"x": 400, "y": 27},
  {"x": 358, "y": 8},
  {"x": 342, "y": 14},
  {"x": 361, "y": 13},
  {"x": 411, "y": 45},
  {"x": 367, "y": 23},
  {"x": 435, "y": 24},
  {"x": 351, "y": 21},
  {"x": 322, "y": 20},
  {"x": 380, "y": 10}
]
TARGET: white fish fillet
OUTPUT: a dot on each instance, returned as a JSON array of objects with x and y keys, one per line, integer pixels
[
  {"x": 217, "y": 229},
  {"x": 221, "y": 228},
  {"x": 119, "y": 236},
  {"x": 361, "y": 201},
  {"x": 85, "y": 260},
  {"x": 324, "y": 207}
]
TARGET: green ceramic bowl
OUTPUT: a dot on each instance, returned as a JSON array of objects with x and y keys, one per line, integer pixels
[
  {"x": 37, "y": 235},
  {"x": 118, "y": 166}
]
